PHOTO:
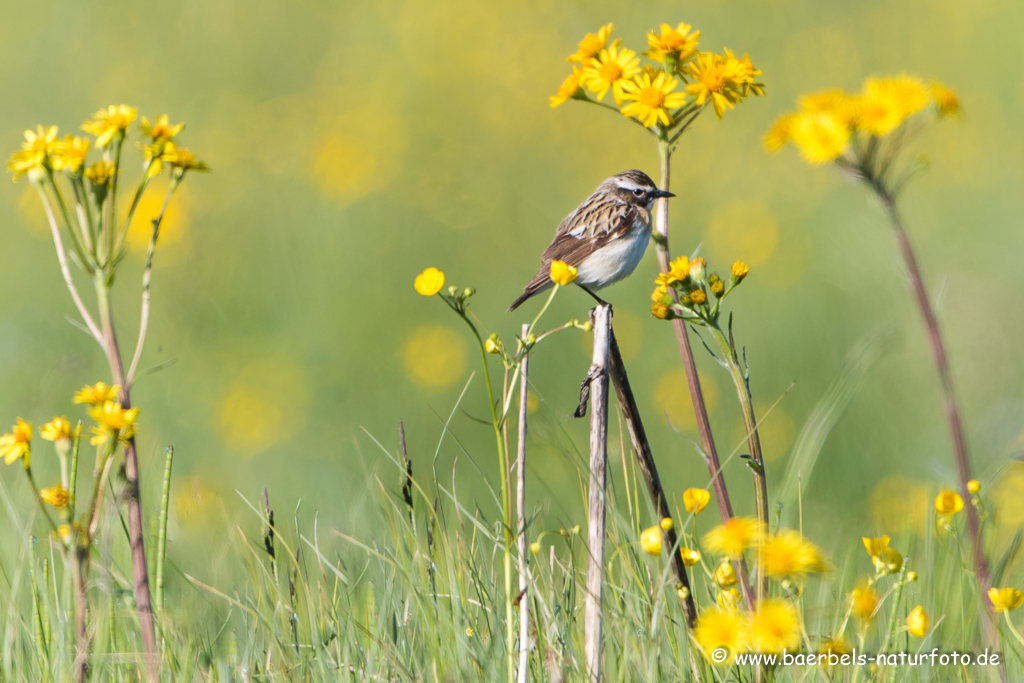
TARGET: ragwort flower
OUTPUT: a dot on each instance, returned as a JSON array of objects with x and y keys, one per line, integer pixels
[
  {"x": 787, "y": 553},
  {"x": 652, "y": 99},
  {"x": 592, "y": 44},
  {"x": 17, "y": 443},
  {"x": 673, "y": 46},
  {"x": 571, "y": 89},
  {"x": 611, "y": 69},
  {"x": 885, "y": 103},
  {"x": 97, "y": 394},
  {"x": 775, "y": 626},
  {"x": 70, "y": 154},
  {"x": 35, "y": 151},
  {"x": 55, "y": 495},
  {"x": 105, "y": 123},
  {"x": 695, "y": 500},
  {"x": 722, "y": 628}
]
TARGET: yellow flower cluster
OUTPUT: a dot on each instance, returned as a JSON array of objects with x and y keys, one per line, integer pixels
[
  {"x": 651, "y": 93},
  {"x": 17, "y": 443},
  {"x": 692, "y": 284},
  {"x": 827, "y": 123},
  {"x": 42, "y": 152},
  {"x": 773, "y": 627}
]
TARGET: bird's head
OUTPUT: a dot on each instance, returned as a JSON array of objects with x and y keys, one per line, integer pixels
[{"x": 635, "y": 187}]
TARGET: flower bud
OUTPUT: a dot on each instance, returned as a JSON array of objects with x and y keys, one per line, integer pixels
[{"x": 666, "y": 523}]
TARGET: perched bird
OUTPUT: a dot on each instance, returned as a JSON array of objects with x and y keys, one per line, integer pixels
[{"x": 604, "y": 238}]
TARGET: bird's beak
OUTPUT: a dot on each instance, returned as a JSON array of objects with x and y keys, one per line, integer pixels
[{"x": 662, "y": 193}]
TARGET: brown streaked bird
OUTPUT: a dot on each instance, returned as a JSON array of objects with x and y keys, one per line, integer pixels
[{"x": 604, "y": 238}]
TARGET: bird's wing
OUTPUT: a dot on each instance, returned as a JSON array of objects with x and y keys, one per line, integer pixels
[{"x": 588, "y": 229}]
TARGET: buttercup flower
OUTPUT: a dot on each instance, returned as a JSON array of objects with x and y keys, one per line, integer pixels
[
  {"x": 674, "y": 45},
  {"x": 721, "y": 628},
  {"x": 535, "y": 547},
  {"x": 69, "y": 155},
  {"x": 974, "y": 486},
  {"x": 55, "y": 495},
  {"x": 106, "y": 122},
  {"x": 570, "y": 89},
  {"x": 695, "y": 500},
  {"x": 725, "y": 575},
  {"x": 612, "y": 68},
  {"x": 787, "y": 553},
  {"x": 17, "y": 443},
  {"x": 491, "y": 344},
  {"x": 35, "y": 151},
  {"x": 918, "y": 622},
  {"x": 775, "y": 626},
  {"x": 650, "y": 540},
  {"x": 592, "y": 44},
  {"x": 562, "y": 273},
  {"x": 652, "y": 99},
  {"x": 429, "y": 282},
  {"x": 948, "y": 503},
  {"x": 97, "y": 394},
  {"x": 666, "y": 524},
  {"x": 734, "y": 536},
  {"x": 1005, "y": 599},
  {"x": 690, "y": 557}
]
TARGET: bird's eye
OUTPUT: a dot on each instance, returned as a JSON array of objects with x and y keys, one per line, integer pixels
[{"x": 638, "y": 192}]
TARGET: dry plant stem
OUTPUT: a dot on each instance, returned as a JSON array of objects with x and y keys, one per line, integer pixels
[
  {"x": 524, "y": 583},
  {"x": 938, "y": 350},
  {"x": 692, "y": 379},
  {"x": 638, "y": 437},
  {"x": 598, "y": 377}
]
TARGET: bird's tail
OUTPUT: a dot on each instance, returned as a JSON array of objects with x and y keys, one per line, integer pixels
[{"x": 541, "y": 282}]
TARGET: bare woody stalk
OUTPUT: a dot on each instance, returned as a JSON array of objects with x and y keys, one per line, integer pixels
[
  {"x": 598, "y": 379},
  {"x": 700, "y": 410},
  {"x": 524, "y": 577}
]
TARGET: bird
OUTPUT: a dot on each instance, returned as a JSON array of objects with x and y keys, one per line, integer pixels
[{"x": 604, "y": 238}]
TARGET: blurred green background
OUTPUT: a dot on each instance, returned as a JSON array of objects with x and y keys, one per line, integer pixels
[{"x": 353, "y": 144}]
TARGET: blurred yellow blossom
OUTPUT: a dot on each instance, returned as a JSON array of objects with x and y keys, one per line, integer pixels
[
  {"x": 820, "y": 136},
  {"x": 833, "y": 102},
  {"x": 918, "y": 622},
  {"x": 695, "y": 500},
  {"x": 864, "y": 601},
  {"x": 690, "y": 557},
  {"x": 721, "y": 628},
  {"x": 651, "y": 99},
  {"x": 650, "y": 540},
  {"x": 729, "y": 598},
  {"x": 948, "y": 503},
  {"x": 58, "y": 429},
  {"x": 672, "y": 46},
  {"x": 106, "y": 122},
  {"x": 535, "y": 547},
  {"x": 100, "y": 172},
  {"x": 666, "y": 524},
  {"x": 974, "y": 486},
  {"x": 562, "y": 273},
  {"x": 17, "y": 443},
  {"x": 570, "y": 89},
  {"x": 182, "y": 159},
  {"x": 775, "y": 626},
  {"x": 35, "y": 151},
  {"x": 611, "y": 69},
  {"x": 734, "y": 536},
  {"x": 885, "y": 103},
  {"x": 113, "y": 420},
  {"x": 911, "y": 576},
  {"x": 592, "y": 44},
  {"x": 97, "y": 394},
  {"x": 69, "y": 155},
  {"x": 434, "y": 355},
  {"x": 161, "y": 128},
  {"x": 55, "y": 495},
  {"x": 429, "y": 282},
  {"x": 947, "y": 103},
  {"x": 1005, "y": 599},
  {"x": 899, "y": 503},
  {"x": 780, "y": 133},
  {"x": 787, "y": 553},
  {"x": 725, "y": 575}
]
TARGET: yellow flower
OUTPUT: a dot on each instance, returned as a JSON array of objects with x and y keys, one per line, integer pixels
[
  {"x": 100, "y": 172},
  {"x": 948, "y": 503},
  {"x": 650, "y": 99},
  {"x": 739, "y": 270},
  {"x": 725, "y": 575},
  {"x": 161, "y": 129},
  {"x": 711, "y": 73},
  {"x": 787, "y": 553},
  {"x": 740, "y": 74},
  {"x": 666, "y": 524},
  {"x": 429, "y": 282},
  {"x": 35, "y": 151},
  {"x": 106, "y": 122},
  {"x": 569, "y": 90},
  {"x": 887, "y": 102},
  {"x": 492, "y": 345},
  {"x": 695, "y": 500},
  {"x": 660, "y": 293},
  {"x": 833, "y": 646},
  {"x": 1005, "y": 599},
  {"x": 55, "y": 495},
  {"x": 562, "y": 273},
  {"x": 535, "y": 547},
  {"x": 612, "y": 68},
  {"x": 182, "y": 159},
  {"x": 690, "y": 557},
  {"x": 113, "y": 420},
  {"x": 69, "y": 155},
  {"x": 674, "y": 46},
  {"x": 864, "y": 601},
  {"x": 650, "y": 540},
  {"x": 947, "y": 103},
  {"x": 974, "y": 486},
  {"x": 698, "y": 297},
  {"x": 911, "y": 576},
  {"x": 875, "y": 546},
  {"x": 678, "y": 270},
  {"x": 889, "y": 562},
  {"x": 834, "y": 102},
  {"x": 591, "y": 45},
  {"x": 729, "y": 599},
  {"x": 469, "y": 632},
  {"x": 780, "y": 133},
  {"x": 775, "y": 626},
  {"x": 17, "y": 444},
  {"x": 721, "y": 629},
  {"x": 821, "y": 137},
  {"x": 734, "y": 536},
  {"x": 97, "y": 394},
  {"x": 661, "y": 311},
  {"x": 58, "y": 429},
  {"x": 716, "y": 284},
  {"x": 918, "y": 622}
]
